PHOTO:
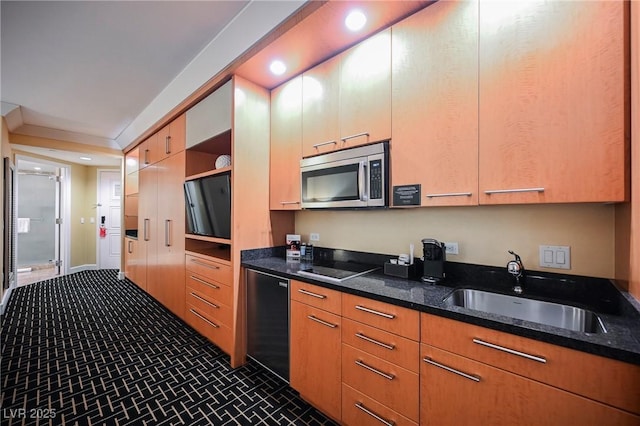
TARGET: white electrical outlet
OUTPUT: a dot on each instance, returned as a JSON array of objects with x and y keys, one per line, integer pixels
[
  {"x": 451, "y": 248},
  {"x": 314, "y": 237},
  {"x": 558, "y": 257}
]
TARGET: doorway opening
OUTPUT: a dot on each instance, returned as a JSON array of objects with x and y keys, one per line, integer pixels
[{"x": 41, "y": 238}]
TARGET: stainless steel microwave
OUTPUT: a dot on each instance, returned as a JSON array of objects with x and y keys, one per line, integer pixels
[{"x": 352, "y": 178}]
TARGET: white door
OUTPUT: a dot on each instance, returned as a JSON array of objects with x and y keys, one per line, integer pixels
[{"x": 108, "y": 220}]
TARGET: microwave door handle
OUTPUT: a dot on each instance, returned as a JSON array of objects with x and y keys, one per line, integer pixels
[{"x": 362, "y": 181}]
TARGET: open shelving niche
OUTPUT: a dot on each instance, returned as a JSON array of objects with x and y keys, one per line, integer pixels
[{"x": 200, "y": 162}]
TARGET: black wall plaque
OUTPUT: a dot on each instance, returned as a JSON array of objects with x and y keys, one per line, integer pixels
[{"x": 407, "y": 195}]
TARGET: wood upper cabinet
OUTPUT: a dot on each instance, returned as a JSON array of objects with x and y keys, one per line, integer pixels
[
  {"x": 435, "y": 103},
  {"x": 132, "y": 160},
  {"x": 148, "y": 153},
  {"x": 286, "y": 146},
  {"x": 315, "y": 358},
  {"x": 365, "y": 91},
  {"x": 171, "y": 138},
  {"x": 346, "y": 101},
  {"x": 552, "y": 102},
  {"x": 457, "y": 390},
  {"x": 320, "y": 103}
]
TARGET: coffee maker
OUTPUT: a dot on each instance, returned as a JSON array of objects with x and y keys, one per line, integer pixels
[{"x": 434, "y": 259}]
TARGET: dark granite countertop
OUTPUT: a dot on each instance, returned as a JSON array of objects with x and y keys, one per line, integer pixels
[{"x": 619, "y": 311}]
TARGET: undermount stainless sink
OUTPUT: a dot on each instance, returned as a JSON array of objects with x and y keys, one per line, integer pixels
[{"x": 548, "y": 313}]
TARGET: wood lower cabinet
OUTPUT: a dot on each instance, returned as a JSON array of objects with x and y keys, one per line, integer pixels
[
  {"x": 209, "y": 299},
  {"x": 553, "y": 114},
  {"x": 315, "y": 357},
  {"x": 457, "y": 390},
  {"x": 286, "y": 146},
  {"x": 434, "y": 103},
  {"x": 358, "y": 409},
  {"x": 135, "y": 260}
]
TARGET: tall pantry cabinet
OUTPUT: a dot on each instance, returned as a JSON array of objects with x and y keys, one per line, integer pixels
[{"x": 161, "y": 218}]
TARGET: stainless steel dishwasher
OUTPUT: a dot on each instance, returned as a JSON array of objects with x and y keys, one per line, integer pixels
[{"x": 268, "y": 321}]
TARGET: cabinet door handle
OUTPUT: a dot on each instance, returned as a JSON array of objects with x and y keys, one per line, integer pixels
[
  {"x": 167, "y": 145},
  {"x": 318, "y": 320},
  {"x": 318, "y": 145},
  {"x": 382, "y": 420},
  {"x": 205, "y": 282},
  {"x": 146, "y": 156},
  {"x": 374, "y": 341},
  {"x": 452, "y": 370},
  {"x": 308, "y": 293},
  {"x": 357, "y": 135},
  {"x": 203, "y": 300},
  {"x": 510, "y": 191},
  {"x": 212, "y": 324},
  {"x": 449, "y": 194},
  {"x": 145, "y": 229},
  {"x": 510, "y": 351},
  {"x": 167, "y": 232},
  {"x": 206, "y": 265},
  {"x": 375, "y": 370},
  {"x": 130, "y": 247},
  {"x": 287, "y": 203},
  {"x": 371, "y": 311}
]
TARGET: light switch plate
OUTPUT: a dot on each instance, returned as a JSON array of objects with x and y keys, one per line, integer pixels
[
  {"x": 451, "y": 248},
  {"x": 558, "y": 257}
]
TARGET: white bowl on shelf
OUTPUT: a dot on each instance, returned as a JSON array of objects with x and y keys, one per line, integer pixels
[{"x": 223, "y": 161}]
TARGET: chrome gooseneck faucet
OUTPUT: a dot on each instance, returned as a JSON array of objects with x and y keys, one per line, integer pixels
[{"x": 516, "y": 268}]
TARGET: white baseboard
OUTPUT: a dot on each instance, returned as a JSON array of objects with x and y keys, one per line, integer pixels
[
  {"x": 80, "y": 268},
  {"x": 121, "y": 275},
  {"x": 5, "y": 300}
]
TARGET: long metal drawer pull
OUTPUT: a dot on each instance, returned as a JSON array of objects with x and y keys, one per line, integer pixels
[
  {"x": 212, "y": 324},
  {"x": 452, "y": 370},
  {"x": 130, "y": 249},
  {"x": 145, "y": 229},
  {"x": 346, "y": 138},
  {"x": 375, "y": 370},
  {"x": 167, "y": 232},
  {"x": 509, "y": 191},
  {"x": 369, "y": 339},
  {"x": 316, "y": 319},
  {"x": 206, "y": 265},
  {"x": 167, "y": 145},
  {"x": 286, "y": 203},
  {"x": 382, "y": 420},
  {"x": 204, "y": 282},
  {"x": 371, "y": 311},
  {"x": 318, "y": 145},
  {"x": 449, "y": 194},
  {"x": 510, "y": 351},
  {"x": 308, "y": 293},
  {"x": 202, "y": 299}
]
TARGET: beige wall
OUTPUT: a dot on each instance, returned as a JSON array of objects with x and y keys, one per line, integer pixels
[{"x": 484, "y": 233}]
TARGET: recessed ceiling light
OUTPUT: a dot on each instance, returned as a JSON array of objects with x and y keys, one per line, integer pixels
[
  {"x": 277, "y": 67},
  {"x": 85, "y": 158},
  {"x": 355, "y": 20},
  {"x": 37, "y": 168}
]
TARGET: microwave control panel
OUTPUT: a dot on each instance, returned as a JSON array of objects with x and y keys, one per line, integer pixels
[{"x": 375, "y": 179}]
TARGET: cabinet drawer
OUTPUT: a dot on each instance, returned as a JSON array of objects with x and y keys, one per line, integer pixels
[
  {"x": 320, "y": 297},
  {"x": 210, "y": 288},
  {"x": 385, "y": 316},
  {"x": 457, "y": 390},
  {"x": 603, "y": 379},
  {"x": 388, "y": 346},
  {"x": 209, "y": 268},
  {"x": 217, "y": 311},
  {"x": 390, "y": 385},
  {"x": 359, "y": 409},
  {"x": 211, "y": 329}
]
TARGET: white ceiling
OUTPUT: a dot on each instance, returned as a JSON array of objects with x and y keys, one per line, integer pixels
[{"x": 83, "y": 71}]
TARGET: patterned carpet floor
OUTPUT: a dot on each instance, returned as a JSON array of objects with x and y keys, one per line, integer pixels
[{"x": 89, "y": 349}]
